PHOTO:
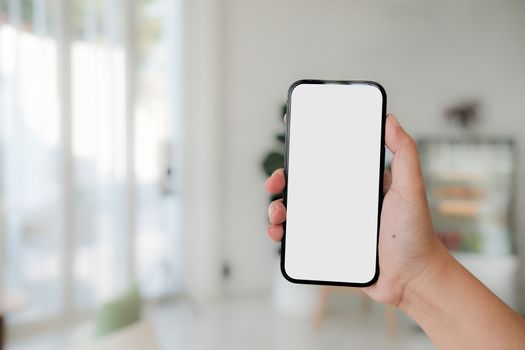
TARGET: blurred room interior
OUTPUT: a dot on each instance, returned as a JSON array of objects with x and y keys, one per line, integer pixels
[{"x": 136, "y": 136}]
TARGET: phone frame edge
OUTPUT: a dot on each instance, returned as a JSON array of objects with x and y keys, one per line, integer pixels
[{"x": 381, "y": 174}]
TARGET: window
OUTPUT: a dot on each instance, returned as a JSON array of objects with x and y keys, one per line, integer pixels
[{"x": 87, "y": 172}]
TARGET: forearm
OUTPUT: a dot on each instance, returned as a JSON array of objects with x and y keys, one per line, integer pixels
[{"x": 448, "y": 300}]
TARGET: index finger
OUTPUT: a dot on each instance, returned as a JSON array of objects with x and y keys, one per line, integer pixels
[{"x": 275, "y": 183}]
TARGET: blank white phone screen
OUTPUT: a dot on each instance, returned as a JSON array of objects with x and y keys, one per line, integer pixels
[{"x": 334, "y": 162}]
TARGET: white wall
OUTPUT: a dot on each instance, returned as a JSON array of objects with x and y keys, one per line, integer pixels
[
  {"x": 427, "y": 54},
  {"x": 201, "y": 163}
]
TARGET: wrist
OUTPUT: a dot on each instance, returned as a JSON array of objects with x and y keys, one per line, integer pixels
[{"x": 417, "y": 295}]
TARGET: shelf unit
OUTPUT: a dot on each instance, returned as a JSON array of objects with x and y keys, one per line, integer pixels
[{"x": 470, "y": 189}]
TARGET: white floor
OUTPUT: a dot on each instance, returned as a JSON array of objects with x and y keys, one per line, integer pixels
[{"x": 253, "y": 323}]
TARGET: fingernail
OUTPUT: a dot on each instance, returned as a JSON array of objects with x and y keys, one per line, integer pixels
[
  {"x": 394, "y": 120},
  {"x": 271, "y": 209}
]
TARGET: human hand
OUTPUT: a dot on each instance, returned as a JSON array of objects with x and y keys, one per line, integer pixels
[{"x": 408, "y": 247}]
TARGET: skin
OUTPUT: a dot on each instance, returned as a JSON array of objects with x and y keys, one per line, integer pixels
[{"x": 418, "y": 274}]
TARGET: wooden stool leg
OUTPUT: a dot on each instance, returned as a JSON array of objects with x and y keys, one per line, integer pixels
[
  {"x": 2, "y": 332},
  {"x": 391, "y": 319},
  {"x": 321, "y": 307},
  {"x": 365, "y": 303}
]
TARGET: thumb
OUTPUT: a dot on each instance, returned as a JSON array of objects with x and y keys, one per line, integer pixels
[{"x": 406, "y": 169}]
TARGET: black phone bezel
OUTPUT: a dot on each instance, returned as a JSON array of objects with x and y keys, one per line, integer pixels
[{"x": 381, "y": 173}]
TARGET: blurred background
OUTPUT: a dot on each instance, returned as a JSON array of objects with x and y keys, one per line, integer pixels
[{"x": 135, "y": 136}]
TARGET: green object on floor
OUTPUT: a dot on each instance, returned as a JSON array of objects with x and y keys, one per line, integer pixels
[{"x": 119, "y": 313}]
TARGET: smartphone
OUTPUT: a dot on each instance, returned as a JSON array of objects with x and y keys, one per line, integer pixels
[{"x": 334, "y": 182}]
